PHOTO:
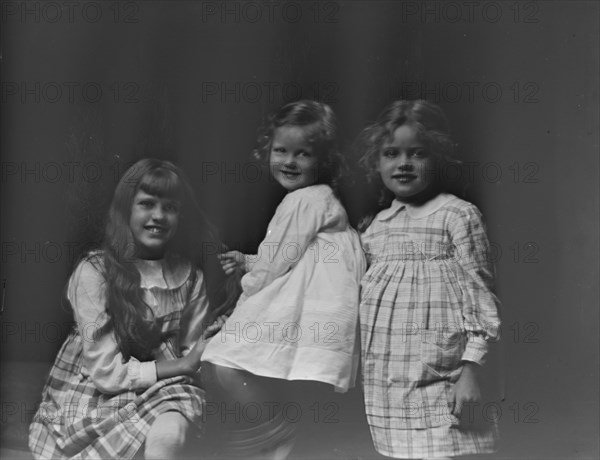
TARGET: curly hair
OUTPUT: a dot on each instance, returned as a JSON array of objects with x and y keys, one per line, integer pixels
[
  {"x": 432, "y": 129},
  {"x": 321, "y": 127}
]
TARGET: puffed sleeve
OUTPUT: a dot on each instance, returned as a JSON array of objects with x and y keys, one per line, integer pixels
[
  {"x": 298, "y": 219},
  {"x": 101, "y": 356},
  {"x": 480, "y": 307},
  {"x": 194, "y": 316}
]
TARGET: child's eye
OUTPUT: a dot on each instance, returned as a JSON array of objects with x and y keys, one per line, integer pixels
[
  {"x": 419, "y": 153},
  {"x": 305, "y": 154},
  {"x": 389, "y": 153},
  {"x": 278, "y": 149},
  {"x": 172, "y": 207},
  {"x": 146, "y": 204}
]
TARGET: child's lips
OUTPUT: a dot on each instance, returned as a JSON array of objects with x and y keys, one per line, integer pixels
[
  {"x": 290, "y": 174},
  {"x": 404, "y": 177},
  {"x": 156, "y": 229}
]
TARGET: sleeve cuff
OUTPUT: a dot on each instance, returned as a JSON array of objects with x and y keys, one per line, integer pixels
[
  {"x": 476, "y": 350},
  {"x": 147, "y": 374},
  {"x": 249, "y": 260}
]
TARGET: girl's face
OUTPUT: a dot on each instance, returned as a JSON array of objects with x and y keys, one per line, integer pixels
[
  {"x": 292, "y": 160},
  {"x": 406, "y": 168},
  {"x": 153, "y": 223}
]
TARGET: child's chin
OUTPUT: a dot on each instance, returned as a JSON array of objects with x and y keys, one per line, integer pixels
[{"x": 290, "y": 185}]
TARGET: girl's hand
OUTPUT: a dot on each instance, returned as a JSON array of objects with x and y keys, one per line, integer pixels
[
  {"x": 194, "y": 357},
  {"x": 467, "y": 389},
  {"x": 232, "y": 260},
  {"x": 215, "y": 327}
]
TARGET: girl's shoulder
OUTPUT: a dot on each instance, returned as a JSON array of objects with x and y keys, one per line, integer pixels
[
  {"x": 315, "y": 200},
  {"x": 89, "y": 269},
  {"x": 460, "y": 207},
  {"x": 312, "y": 192},
  {"x": 315, "y": 197}
]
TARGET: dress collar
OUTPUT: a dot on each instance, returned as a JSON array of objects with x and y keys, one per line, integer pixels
[
  {"x": 167, "y": 273},
  {"x": 416, "y": 212}
]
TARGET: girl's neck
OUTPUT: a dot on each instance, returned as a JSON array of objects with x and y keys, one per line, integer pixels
[
  {"x": 151, "y": 258},
  {"x": 421, "y": 198},
  {"x": 150, "y": 261},
  {"x": 287, "y": 192},
  {"x": 144, "y": 254}
]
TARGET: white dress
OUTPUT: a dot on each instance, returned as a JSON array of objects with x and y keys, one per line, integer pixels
[{"x": 297, "y": 317}]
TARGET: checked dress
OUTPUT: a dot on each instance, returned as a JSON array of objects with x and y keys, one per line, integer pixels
[
  {"x": 94, "y": 403},
  {"x": 426, "y": 306}
]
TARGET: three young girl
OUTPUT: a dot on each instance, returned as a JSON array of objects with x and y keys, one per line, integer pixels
[{"x": 427, "y": 310}]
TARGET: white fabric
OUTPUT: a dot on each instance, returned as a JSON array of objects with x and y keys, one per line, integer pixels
[{"x": 297, "y": 317}]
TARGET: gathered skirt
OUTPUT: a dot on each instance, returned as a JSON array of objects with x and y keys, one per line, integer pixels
[{"x": 76, "y": 420}]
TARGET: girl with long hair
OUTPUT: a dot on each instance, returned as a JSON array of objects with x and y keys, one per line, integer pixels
[{"x": 124, "y": 378}]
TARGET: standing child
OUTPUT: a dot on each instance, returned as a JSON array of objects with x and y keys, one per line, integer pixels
[
  {"x": 298, "y": 314},
  {"x": 427, "y": 307},
  {"x": 123, "y": 377}
]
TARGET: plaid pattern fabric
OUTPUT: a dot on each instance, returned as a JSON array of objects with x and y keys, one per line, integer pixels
[
  {"x": 75, "y": 420},
  {"x": 426, "y": 304}
]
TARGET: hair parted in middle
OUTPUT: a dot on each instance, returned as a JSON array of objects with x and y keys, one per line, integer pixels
[{"x": 321, "y": 127}]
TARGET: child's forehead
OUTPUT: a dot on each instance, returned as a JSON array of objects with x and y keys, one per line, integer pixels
[
  {"x": 300, "y": 131},
  {"x": 162, "y": 184},
  {"x": 145, "y": 195},
  {"x": 402, "y": 134}
]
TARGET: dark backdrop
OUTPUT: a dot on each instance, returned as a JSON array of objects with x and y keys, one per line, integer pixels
[{"x": 89, "y": 88}]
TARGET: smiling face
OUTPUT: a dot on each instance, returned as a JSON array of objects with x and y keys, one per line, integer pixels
[
  {"x": 407, "y": 169},
  {"x": 153, "y": 223},
  {"x": 292, "y": 160}
]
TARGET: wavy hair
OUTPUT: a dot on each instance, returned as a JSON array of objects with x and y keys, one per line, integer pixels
[
  {"x": 432, "y": 129},
  {"x": 130, "y": 318},
  {"x": 321, "y": 128}
]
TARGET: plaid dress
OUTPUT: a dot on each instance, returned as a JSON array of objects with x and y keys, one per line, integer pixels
[
  {"x": 426, "y": 305},
  {"x": 95, "y": 405}
]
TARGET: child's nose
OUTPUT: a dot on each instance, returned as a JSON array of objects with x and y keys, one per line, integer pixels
[
  {"x": 158, "y": 213},
  {"x": 404, "y": 162},
  {"x": 289, "y": 160}
]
